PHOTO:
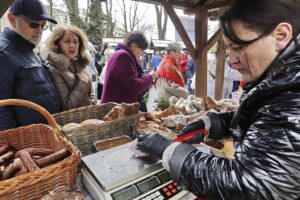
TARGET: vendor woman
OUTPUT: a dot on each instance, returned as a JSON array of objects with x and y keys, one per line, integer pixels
[{"x": 263, "y": 40}]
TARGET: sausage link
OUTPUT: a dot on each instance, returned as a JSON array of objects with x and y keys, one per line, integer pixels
[
  {"x": 6, "y": 157},
  {"x": 23, "y": 170},
  {"x": 52, "y": 158},
  {"x": 4, "y": 149},
  {"x": 11, "y": 169},
  {"x": 36, "y": 152},
  {"x": 28, "y": 161}
]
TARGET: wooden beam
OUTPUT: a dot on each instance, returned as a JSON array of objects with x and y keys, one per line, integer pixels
[
  {"x": 179, "y": 27},
  {"x": 176, "y": 4},
  {"x": 219, "y": 82},
  {"x": 218, "y": 4},
  {"x": 4, "y": 5},
  {"x": 201, "y": 17},
  {"x": 212, "y": 40}
]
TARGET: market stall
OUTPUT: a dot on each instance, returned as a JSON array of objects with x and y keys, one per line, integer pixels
[
  {"x": 112, "y": 172},
  {"x": 202, "y": 9}
]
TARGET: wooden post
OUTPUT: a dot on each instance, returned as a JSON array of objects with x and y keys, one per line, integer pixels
[
  {"x": 179, "y": 27},
  {"x": 219, "y": 82},
  {"x": 201, "y": 17}
]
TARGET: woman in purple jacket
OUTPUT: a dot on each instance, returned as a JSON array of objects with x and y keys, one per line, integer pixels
[{"x": 125, "y": 80}]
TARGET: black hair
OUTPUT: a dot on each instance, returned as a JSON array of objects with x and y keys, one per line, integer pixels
[
  {"x": 138, "y": 38},
  {"x": 261, "y": 16}
]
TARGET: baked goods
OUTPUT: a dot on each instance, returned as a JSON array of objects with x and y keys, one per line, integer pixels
[
  {"x": 112, "y": 142},
  {"x": 70, "y": 126},
  {"x": 129, "y": 109},
  {"x": 171, "y": 110},
  {"x": 92, "y": 122},
  {"x": 122, "y": 110},
  {"x": 152, "y": 127},
  {"x": 209, "y": 103}
]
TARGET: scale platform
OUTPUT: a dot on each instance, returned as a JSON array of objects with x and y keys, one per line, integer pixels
[
  {"x": 116, "y": 166},
  {"x": 116, "y": 174}
]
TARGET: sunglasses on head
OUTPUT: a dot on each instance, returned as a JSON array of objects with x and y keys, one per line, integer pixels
[{"x": 34, "y": 25}]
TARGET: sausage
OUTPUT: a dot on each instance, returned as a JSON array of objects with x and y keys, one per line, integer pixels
[
  {"x": 23, "y": 170},
  {"x": 28, "y": 161},
  {"x": 4, "y": 149},
  {"x": 36, "y": 152},
  {"x": 53, "y": 158},
  {"x": 12, "y": 168},
  {"x": 6, "y": 157}
]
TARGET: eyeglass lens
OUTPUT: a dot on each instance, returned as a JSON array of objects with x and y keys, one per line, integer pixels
[{"x": 36, "y": 25}]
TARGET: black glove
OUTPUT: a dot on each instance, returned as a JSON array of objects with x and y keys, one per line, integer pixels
[
  {"x": 192, "y": 127},
  {"x": 211, "y": 122},
  {"x": 153, "y": 144}
]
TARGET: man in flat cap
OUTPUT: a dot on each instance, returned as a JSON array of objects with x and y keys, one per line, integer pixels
[{"x": 22, "y": 74}]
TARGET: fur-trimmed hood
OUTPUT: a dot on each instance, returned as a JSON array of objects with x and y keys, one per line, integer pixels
[{"x": 60, "y": 60}]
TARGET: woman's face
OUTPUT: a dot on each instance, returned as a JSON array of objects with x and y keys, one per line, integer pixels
[
  {"x": 69, "y": 44},
  {"x": 137, "y": 51},
  {"x": 251, "y": 60}
]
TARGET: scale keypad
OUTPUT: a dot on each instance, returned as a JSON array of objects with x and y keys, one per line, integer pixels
[{"x": 165, "y": 192}]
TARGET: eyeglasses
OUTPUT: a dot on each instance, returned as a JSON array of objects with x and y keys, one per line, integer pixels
[{"x": 34, "y": 25}]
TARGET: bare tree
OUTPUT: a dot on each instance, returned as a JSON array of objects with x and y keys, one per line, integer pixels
[
  {"x": 51, "y": 12},
  {"x": 162, "y": 28},
  {"x": 110, "y": 24},
  {"x": 73, "y": 11},
  {"x": 132, "y": 20}
]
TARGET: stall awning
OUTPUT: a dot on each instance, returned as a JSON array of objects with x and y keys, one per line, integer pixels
[
  {"x": 4, "y": 5},
  {"x": 112, "y": 42}
]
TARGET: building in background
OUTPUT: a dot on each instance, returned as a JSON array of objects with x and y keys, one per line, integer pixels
[{"x": 188, "y": 23}]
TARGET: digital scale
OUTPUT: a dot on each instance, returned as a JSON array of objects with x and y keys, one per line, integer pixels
[{"x": 116, "y": 174}]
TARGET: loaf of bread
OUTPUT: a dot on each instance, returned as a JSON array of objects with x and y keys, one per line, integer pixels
[
  {"x": 70, "y": 126},
  {"x": 92, "y": 122}
]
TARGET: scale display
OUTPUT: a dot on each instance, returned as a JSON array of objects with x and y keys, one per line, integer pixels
[{"x": 126, "y": 194}]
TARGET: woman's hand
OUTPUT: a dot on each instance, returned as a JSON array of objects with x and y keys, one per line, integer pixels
[
  {"x": 153, "y": 144},
  {"x": 154, "y": 75}
]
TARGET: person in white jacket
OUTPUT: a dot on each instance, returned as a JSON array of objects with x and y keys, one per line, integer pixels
[{"x": 230, "y": 75}]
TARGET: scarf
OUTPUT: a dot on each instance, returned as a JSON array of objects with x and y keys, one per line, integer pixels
[{"x": 168, "y": 68}]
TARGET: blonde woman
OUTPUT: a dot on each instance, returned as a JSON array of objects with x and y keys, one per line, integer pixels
[{"x": 67, "y": 57}]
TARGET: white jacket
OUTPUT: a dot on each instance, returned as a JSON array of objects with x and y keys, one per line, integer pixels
[{"x": 230, "y": 75}]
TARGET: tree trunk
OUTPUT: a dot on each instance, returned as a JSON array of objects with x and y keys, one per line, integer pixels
[
  {"x": 51, "y": 13},
  {"x": 75, "y": 19},
  {"x": 161, "y": 27},
  {"x": 110, "y": 25}
]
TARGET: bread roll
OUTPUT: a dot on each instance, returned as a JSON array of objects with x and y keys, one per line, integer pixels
[
  {"x": 92, "y": 122},
  {"x": 70, "y": 126}
]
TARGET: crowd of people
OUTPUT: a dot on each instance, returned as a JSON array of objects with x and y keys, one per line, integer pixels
[
  {"x": 71, "y": 73},
  {"x": 263, "y": 46}
]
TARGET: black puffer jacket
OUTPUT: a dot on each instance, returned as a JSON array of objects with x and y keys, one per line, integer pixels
[{"x": 266, "y": 130}]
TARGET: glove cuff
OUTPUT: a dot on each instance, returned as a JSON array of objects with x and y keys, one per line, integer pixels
[{"x": 206, "y": 121}]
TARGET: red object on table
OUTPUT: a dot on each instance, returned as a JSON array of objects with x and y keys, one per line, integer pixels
[{"x": 190, "y": 135}]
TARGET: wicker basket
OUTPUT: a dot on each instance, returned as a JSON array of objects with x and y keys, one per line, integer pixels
[
  {"x": 34, "y": 185},
  {"x": 85, "y": 136}
]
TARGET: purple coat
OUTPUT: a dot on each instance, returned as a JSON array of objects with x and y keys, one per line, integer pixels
[{"x": 124, "y": 80}]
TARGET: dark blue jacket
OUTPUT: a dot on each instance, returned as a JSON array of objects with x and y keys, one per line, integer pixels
[
  {"x": 23, "y": 76},
  {"x": 190, "y": 68}
]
